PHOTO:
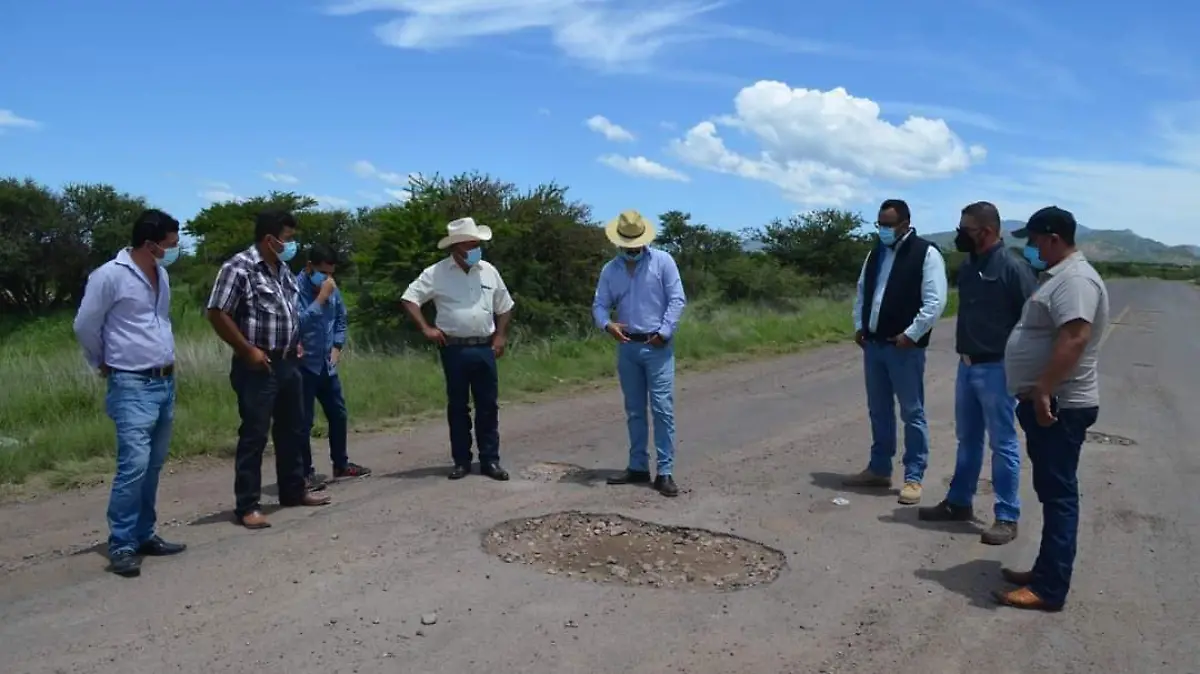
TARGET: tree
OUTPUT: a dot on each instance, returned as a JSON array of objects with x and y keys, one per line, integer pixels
[{"x": 825, "y": 245}]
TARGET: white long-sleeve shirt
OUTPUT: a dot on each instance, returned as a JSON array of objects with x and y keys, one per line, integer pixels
[{"x": 934, "y": 290}]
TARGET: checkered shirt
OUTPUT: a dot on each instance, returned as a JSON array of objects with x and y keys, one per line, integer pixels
[{"x": 261, "y": 302}]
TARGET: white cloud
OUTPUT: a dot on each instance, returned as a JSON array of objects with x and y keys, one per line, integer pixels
[
  {"x": 821, "y": 148},
  {"x": 218, "y": 196},
  {"x": 11, "y": 120},
  {"x": 601, "y": 32},
  {"x": 399, "y": 195},
  {"x": 327, "y": 201},
  {"x": 613, "y": 132},
  {"x": 642, "y": 168},
  {"x": 282, "y": 178},
  {"x": 365, "y": 169}
]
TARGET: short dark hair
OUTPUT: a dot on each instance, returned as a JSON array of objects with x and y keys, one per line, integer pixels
[
  {"x": 984, "y": 213},
  {"x": 272, "y": 223},
  {"x": 898, "y": 205},
  {"x": 154, "y": 226},
  {"x": 319, "y": 253}
]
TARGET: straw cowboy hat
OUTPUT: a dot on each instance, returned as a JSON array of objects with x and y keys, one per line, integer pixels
[
  {"x": 630, "y": 229},
  {"x": 464, "y": 229}
]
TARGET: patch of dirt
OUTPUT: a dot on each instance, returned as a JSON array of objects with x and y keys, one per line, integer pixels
[
  {"x": 550, "y": 471},
  {"x": 618, "y": 549},
  {"x": 1108, "y": 439}
]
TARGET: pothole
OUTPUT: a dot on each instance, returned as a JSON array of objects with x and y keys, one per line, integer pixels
[
  {"x": 622, "y": 550},
  {"x": 1098, "y": 438},
  {"x": 984, "y": 485},
  {"x": 550, "y": 471}
]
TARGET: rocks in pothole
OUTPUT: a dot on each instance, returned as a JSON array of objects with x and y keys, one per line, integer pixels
[{"x": 617, "y": 549}]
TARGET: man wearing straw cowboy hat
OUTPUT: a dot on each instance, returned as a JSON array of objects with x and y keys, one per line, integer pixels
[
  {"x": 644, "y": 287},
  {"x": 473, "y": 311}
]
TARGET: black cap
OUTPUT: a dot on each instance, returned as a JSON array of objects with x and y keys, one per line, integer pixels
[{"x": 1049, "y": 220}]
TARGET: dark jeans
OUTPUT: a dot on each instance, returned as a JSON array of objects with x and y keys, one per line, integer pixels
[
  {"x": 325, "y": 388},
  {"x": 471, "y": 373},
  {"x": 1054, "y": 454},
  {"x": 265, "y": 395}
]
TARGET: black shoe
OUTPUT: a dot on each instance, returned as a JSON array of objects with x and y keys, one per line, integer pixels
[
  {"x": 494, "y": 471},
  {"x": 631, "y": 477},
  {"x": 351, "y": 470},
  {"x": 315, "y": 482},
  {"x": 125, "y": 563},
  {"x": 459, "y": 472},
  {"x": 665, "y": 485},
  {"x": 1001, "y": 533},
  {"x": 157, "y": 547},
  {"x": 946, "y": 512}
]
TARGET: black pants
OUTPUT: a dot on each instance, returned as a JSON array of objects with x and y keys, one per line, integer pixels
[
  {"x": 264, "y": 395},
  {"x": 471, "y": 373}
]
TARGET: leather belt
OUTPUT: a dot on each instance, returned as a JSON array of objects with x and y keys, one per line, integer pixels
[
  {"x": 468, "y": 341},
  {"x": 982, "y": 359},
  {"x": 154, "y": 372}
]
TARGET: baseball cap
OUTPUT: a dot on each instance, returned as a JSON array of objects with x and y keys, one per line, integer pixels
[{"x": 1049, "y": 220}]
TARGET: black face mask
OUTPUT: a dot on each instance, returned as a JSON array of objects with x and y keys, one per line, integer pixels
[{"x": 963, "y": 242}]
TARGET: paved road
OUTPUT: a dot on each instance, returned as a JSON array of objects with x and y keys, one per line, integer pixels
[{"x": 867, "y": 589}]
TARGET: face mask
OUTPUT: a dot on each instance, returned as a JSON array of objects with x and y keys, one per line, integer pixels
[
  {"x": 317, "y": 278},
  {"x": 887, "y": 236},
  {"x": 1034, "y": 257},
  {"x": 963, "y": 242},
  {"x": 633, "y": 256},
  {"x": 473, "y": 256},
  {"x": 289, "y": 251},
  {"x": 169, "y": 256}
]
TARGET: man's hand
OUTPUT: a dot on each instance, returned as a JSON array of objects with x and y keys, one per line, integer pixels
[
  {"x": 1042, "y": 407},
  {"x": 257, "y": 359},
  {"x": 105, "y": 371},
  {"x": 498, "y": 344},
  {"x": 434, "y": 335},
  {"x": 860, "y": 338},
  {"x": 903, "y": 342},
  {"x": 617, "y": 331},
  {"x": 656, "y": 340},
  {"x": 327, "y": 288},
  {"x": 299, "y": 350},
  {"x": 335, "y": 355}
]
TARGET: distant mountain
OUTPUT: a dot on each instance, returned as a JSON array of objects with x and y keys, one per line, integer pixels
[{"x": 1105, "y": 245}]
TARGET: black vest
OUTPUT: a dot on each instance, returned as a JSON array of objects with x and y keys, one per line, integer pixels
[{"x": 902, "y": 295}]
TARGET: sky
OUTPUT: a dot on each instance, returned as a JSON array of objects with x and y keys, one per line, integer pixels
[{"x": 737, "y": 111}]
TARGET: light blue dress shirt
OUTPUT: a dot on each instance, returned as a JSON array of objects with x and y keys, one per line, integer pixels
[
  {"x": 122, "y": 322},
  {"x": 648, "y": 301},
  {"x": 934, "y": 288},
  {"x": 322, "y": 326}
]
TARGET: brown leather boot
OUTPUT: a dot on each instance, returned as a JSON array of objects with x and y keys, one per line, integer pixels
[
  {"x": 254, "y": 520},
  {"x": 1024, "y": 598}
]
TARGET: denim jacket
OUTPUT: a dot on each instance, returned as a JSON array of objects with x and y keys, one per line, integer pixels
[{"x": 321, "y": 327}]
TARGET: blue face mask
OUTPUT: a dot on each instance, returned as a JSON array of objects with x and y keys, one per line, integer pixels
[
  {"x": 289, "y": 251},
  {"x": 1034, "y": 257},
  {"x": 473, "y": 256},
  {"x": 633, "y": 256},
  {"x": 169, "y": 256},
  {"x": 887, "y": 236},
  {"x": 317, "y": 278}
]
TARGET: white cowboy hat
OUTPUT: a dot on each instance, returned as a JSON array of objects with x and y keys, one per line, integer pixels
[
  {"x": 464, "y": 229},
  {"x": 630, "y": 229}
]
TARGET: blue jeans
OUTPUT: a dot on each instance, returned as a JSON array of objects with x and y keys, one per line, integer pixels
[
  {"x": 982, "y": 404},
  {"x": 142, "y": 409},
  {"x": 326, "y": 389},
  {"x": 1054, "y": 453},
  {"x": 648, "y": 373},
  {"x": 471, "y": 373},
  {"x": 894, "y": 374}
]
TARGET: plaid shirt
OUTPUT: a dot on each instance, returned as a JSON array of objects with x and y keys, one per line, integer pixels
[{"x": 261, "y": 302}]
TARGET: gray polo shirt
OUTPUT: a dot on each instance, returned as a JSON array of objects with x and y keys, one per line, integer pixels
[{"x": 1071, "y": 290}]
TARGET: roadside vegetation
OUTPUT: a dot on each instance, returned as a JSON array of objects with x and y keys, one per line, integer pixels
[{"x": 773, "y": 290}]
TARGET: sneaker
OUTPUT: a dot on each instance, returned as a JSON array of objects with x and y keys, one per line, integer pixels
[
  {"x": 1002, "y": 532},
  {"x": 946, "y": 512},
  {"x": 315, "y": 482},
  {"x": 125, "y": 563},
  {"x": 351, "y": 470},
  {"x": 911, "y": 493}
]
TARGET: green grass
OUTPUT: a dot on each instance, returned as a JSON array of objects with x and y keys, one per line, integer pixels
[{"x": 53, "y": 407}]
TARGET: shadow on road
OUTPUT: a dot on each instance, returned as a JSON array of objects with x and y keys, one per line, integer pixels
[
  {"x": 420, "y": 473},
  {"x": 590, "y": 477},
  {"x": 833, "y": 482},
  {"x": 100, "y": 548},
  {"x": 974, "y": 580},
  {"x": 908, "y": 515},
  {"x": 227, "y": 517}
]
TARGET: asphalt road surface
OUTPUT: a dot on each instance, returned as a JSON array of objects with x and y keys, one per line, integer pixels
[{"x": 867, "y": 587}]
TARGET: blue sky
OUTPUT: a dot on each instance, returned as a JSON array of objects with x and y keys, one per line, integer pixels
[{"x": 737, "y": 111}]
